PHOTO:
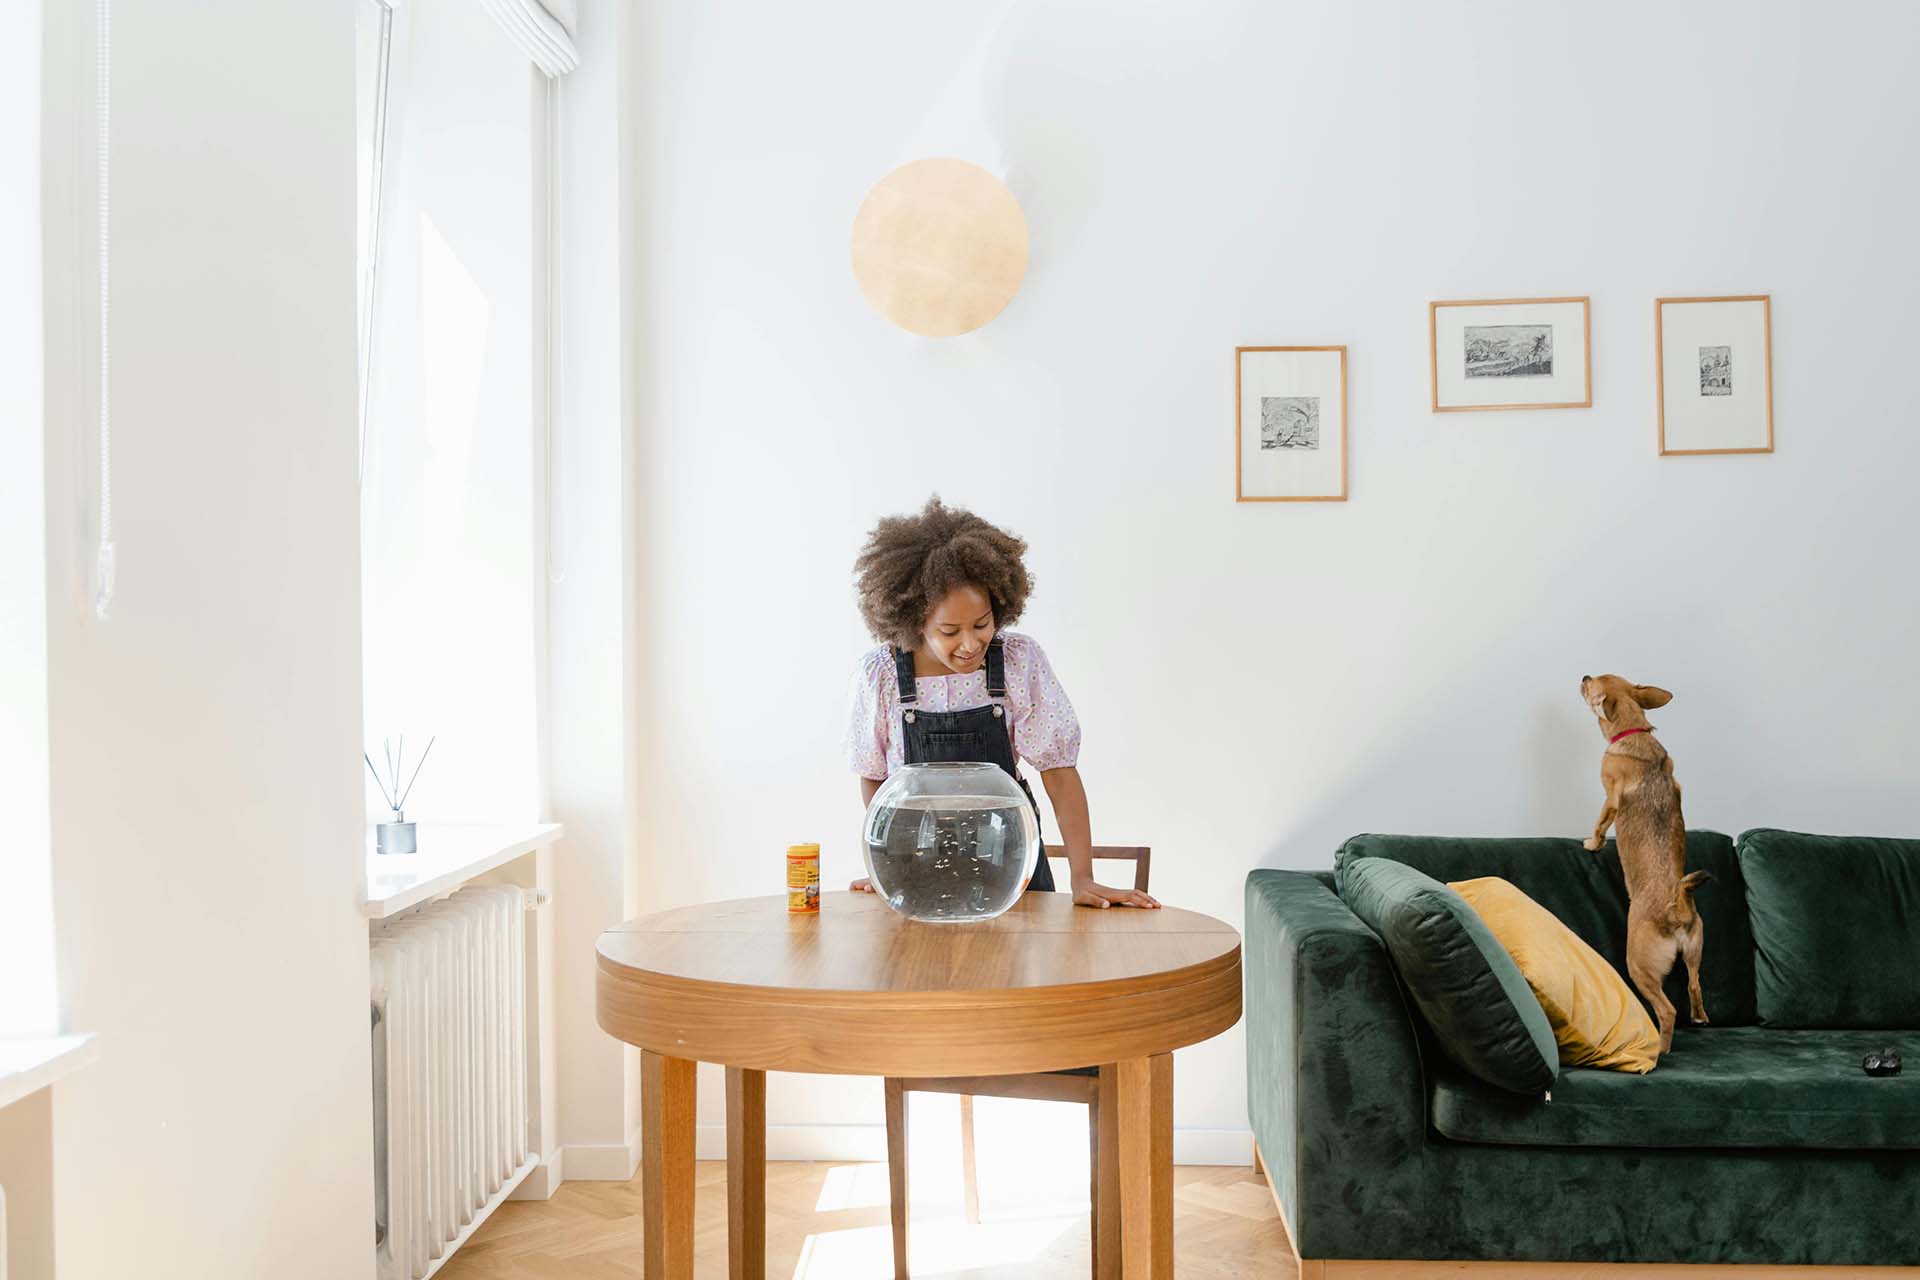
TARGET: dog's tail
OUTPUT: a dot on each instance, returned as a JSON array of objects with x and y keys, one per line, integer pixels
[{"x": 1683, "y": 896}]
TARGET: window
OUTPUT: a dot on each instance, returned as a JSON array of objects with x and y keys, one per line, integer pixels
[
  {"x": 373, "y": 32},
  {"x": 451, "y": 459},
  {"x": 27, "y": 1006}
]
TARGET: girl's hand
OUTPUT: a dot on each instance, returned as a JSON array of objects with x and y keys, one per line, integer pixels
[
  {"x": 862, "y": 885},
  {"x": 1088, "y": 894}
]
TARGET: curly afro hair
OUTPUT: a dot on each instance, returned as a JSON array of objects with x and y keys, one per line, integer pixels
[{"x": 911, "y": 562}]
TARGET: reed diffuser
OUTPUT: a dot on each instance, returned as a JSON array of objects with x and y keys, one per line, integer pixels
[{"x": 396, "y": 835}]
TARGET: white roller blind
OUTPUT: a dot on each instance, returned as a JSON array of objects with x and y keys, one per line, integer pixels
[{"x": 544, "y": 28}]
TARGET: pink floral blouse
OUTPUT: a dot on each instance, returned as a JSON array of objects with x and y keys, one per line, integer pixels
[{"x": 1046, "y": 733}]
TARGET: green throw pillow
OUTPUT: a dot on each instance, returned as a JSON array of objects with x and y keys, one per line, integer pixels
[{"x": 1467, "y": 987}]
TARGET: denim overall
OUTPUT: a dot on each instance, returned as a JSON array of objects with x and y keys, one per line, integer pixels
[{"x": 979, "y": 736}]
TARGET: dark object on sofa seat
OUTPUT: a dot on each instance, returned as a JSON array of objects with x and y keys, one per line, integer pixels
[{"x": 1884, "y": 1063}]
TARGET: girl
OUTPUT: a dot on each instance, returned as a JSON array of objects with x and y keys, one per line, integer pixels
[{"x": 946, "y": 683}]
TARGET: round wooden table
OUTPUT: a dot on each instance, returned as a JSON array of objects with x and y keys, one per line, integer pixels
[{"x": 860, "y": 990}]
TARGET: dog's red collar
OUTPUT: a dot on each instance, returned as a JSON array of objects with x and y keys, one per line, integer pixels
[{"x": 1627, "y": 733}]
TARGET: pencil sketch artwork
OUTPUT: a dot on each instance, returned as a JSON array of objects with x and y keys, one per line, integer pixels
[
  {"x": 1289, "y": 422},
  {"x": 1716, "y": 371},
  {"x": 1509, "y": 350}
]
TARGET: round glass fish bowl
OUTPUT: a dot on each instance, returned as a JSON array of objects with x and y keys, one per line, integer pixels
[{"x": 951, "y": 843}]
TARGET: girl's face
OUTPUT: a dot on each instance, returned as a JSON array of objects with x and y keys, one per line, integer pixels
[{"x": 958, "y": 629}]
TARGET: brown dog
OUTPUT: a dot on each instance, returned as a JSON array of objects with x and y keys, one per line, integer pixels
[{"x": 1643, "y": 807}]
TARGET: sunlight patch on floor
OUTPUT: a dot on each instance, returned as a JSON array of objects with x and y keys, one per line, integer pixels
[
  {"x": 1032, "y": 1156},
  {"x": 938, "y": 1248},
  {"x": 853, "y": 1186},
  {"x": 1033, "y": 1195}
]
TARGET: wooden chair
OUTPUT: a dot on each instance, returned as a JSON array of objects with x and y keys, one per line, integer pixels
[{"x": 1081, "y": 1086}]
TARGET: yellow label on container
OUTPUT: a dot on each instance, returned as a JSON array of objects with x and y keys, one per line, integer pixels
[{"x": 803, "y": 878}]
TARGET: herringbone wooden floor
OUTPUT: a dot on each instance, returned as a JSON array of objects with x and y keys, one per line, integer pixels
[{"x": 828, "y": 1221}]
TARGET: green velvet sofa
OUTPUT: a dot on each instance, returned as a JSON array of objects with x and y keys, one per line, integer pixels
[{"x": 1758, "y": 1140}]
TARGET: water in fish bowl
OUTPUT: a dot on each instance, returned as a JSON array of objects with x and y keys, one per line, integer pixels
[{"x": 951, "y": 858}]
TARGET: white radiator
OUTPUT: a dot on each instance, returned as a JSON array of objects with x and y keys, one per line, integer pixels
[{"x": 449, "y": 1071}]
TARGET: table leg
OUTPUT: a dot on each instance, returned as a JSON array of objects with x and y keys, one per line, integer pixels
[
  {"x": 897, "y": 1206},
  {"x": 1162, "y": 1144},
  {"x": 969, "y": 1166},
  {"x": 746, "y": 1174},
  {"x": 1106, "y": 1175},
  {"x": 666, "y": 1159},
  {"x": 1143, "y": 1089}
]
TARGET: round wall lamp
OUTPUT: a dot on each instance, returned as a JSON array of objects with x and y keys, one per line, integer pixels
[{"x": 939, "y": 247}]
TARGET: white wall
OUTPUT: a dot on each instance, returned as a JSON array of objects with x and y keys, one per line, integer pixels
[
  {"x": 1257, "y": 682},
  {"x": 592, "y": 702},
  {"x": 205, "y": 742}
]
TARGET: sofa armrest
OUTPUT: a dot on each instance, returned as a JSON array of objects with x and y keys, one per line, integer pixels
[{"x": 1335, "y": 1092}]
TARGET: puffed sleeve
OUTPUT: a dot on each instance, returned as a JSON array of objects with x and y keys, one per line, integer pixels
[
  {"x": 1046, "y": 733},
  {"x": 867, "y": 722}
]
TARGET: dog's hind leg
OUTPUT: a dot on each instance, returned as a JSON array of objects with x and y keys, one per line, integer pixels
[
  {"x": 1650, "y": 955},
  {"x": 1692, "y": 943}
]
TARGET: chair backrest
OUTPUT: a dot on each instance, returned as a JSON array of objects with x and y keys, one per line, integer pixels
[{"x": 1139, "y": 855}]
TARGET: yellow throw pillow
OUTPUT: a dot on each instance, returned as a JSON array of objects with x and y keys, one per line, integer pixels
[{"x": 1597, "y": 1019}]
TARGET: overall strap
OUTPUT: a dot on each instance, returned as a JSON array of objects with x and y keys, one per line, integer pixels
[
  {"x": 903, "y": 672},
  {"x": 996, "y": 668}
]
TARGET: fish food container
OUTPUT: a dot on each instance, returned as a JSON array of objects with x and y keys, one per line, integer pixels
[{"x": 803, "y": 878}]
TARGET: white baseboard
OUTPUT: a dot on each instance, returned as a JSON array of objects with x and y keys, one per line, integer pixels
[
  {"x": 611, "y": 1163},
  {"x": 1213, "y": 1146},
  {"x": 855, "y": 1143},
  {"x": 867, "y": 1143},
  {"x": 545, "y": 1178}
]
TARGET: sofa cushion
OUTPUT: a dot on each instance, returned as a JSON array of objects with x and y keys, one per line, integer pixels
[
  {"x": 1466, "y": 986},
  {"x": 1588, "y": 893},
  {"x": 1598, "y": 1021},
  {"x": 1836, "y": 929},
  {"x": 1720, "y": 1087}
]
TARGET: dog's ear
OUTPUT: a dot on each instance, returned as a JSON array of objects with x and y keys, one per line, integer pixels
[{"x": 1650, "y": 696}]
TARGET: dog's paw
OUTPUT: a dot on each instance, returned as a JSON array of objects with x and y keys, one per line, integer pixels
[{"x": 1592, "y": 844}]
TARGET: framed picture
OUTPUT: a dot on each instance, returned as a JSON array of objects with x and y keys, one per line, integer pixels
[
  {"x": 1511, "y": 353},
  {"x": 1290, "y": 424},
  {"x": 1714, "y": 361}
]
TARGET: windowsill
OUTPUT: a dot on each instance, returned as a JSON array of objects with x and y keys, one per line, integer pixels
[
  {"x": 28, "y": 1066},
  {"x": 450, "y": 855}
]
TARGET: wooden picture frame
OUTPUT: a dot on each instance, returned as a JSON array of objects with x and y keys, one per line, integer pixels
[
  {"x": 1719, "y": 375},
  {"x": 1527, "y": 316},
  {"x": 1288, "y": 423}
]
